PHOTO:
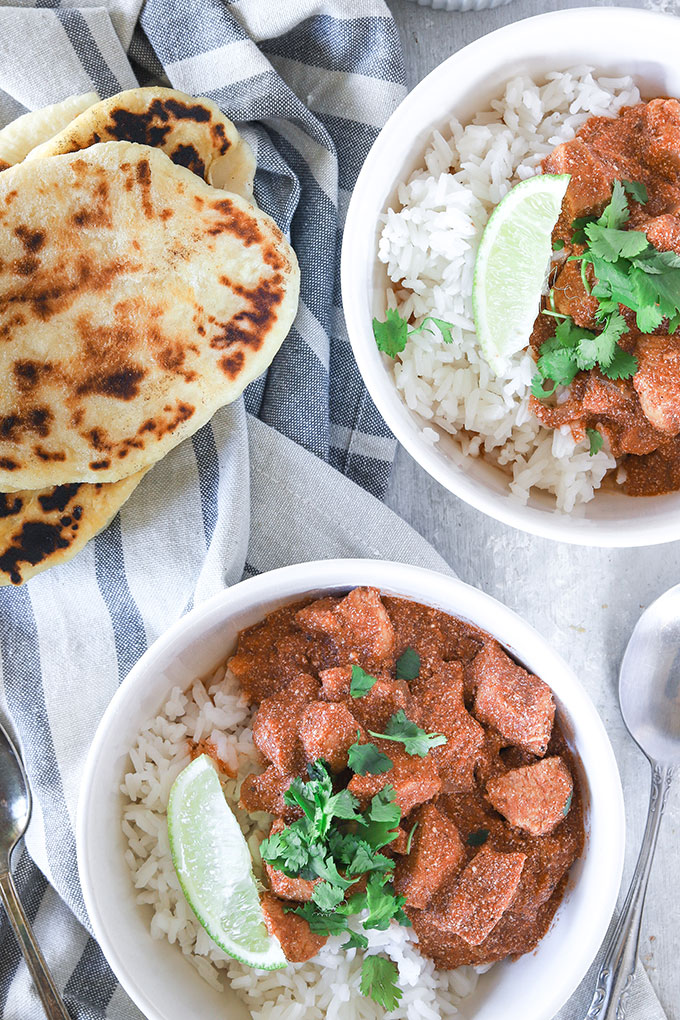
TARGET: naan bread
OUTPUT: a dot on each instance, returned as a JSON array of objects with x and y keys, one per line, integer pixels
[
  {"x": 31, "y": 129},
  {"x": 135, "y": 300},
  {"x": 193, "y": 132},
  {"x": 40, "y": 529}
]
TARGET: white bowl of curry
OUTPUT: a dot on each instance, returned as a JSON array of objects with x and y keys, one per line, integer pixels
[
  {"x": 637, "y": 416},
  {"x": 490, "y": 823}
]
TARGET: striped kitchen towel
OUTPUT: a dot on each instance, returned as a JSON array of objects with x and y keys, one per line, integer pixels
[{"x": 309, "y": 82}]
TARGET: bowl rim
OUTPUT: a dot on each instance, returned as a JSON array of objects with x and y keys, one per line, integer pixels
[
  {"x": 287, "y": 583},
  {"x": 544, "y": 523}
]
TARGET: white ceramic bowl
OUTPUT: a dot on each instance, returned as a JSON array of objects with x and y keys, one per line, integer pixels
[
  {"x": 156, "y": 975},
  {"x": 614, "y": 41}
]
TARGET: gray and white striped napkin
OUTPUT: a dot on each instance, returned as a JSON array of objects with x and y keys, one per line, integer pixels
[{"x": 309, "y": 82}]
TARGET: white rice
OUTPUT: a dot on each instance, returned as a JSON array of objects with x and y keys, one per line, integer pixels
[
  {"x": 324, "y": 987},
  {"x": 429, "y": 246}
]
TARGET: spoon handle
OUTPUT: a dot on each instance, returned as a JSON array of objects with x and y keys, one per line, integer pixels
[
  {"x": 51, "y": 1000},
  {"x": 617, "y": 973}
]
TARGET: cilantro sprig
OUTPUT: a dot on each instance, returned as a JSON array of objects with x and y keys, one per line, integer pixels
[
  {"x": 379, "y": 980},
  {"x": 415, "y": 740},
  {"x": 391, "y": 336},
  {"x": 629, "y": 271},
  {"x": 367, "y": 760},
  {"x": 408, "y": 665},
  {"x": 336, "y": 844},
  {"x": 361, "y": 682}
]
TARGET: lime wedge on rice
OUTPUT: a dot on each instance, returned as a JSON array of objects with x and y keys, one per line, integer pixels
[
  {"x": 512, "y": 265},
  {"x": 214, "y": 868}
]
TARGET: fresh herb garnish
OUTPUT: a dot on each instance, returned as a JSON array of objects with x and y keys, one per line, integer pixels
[
  {"x": 379, "y": 980},
  {"x": 361, "y": 683},
  {"x": 629, "y": 271},
  {"x": 415, "y": 740},
  {"x": 478, "y": 837},
  {"x": 637, "y": 190},
  {"x": 355, "y": 940},
  {"x": 596, "y": 441},
  {"x": 409, "y": 841},
  {"x": 392, "y": 334},
  {"x": 565, "y": 812},
  {"x": 335, "y": 843},
  {"x": 408, "y": 665},
  {"x": 367, "y": 760}
]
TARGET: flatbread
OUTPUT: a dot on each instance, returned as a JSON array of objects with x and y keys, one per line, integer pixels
[
  {"x": 135, "y": 300},
  {"x": 31, "y": 129},
  {"x": 41, "y": 529},
  {"x": 193, "y": 132}
]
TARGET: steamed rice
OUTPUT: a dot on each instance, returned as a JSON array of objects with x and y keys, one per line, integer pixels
[
  {"x": 324, "y": 988},
  {"x": 429, "y": 246}
]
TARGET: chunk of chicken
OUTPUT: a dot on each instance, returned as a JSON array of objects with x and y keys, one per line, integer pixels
[
  {"x": 535, "y": 798},
  {"x": 572, "y": 299},
  {"x": 590, "y": 187},
  {"x": 328, "y": 730},
  {"x": 439, "y": 692},
  {"x": 415, "y": 780},
  {"x": 518, "y": 704},
  {"x": 265, "y": 792},
  {"x": 275, "y": 726},
  {"x": 437, "y": 854},
  {"x": 661, "y": 135},
  {"x": 358, "y": 625},
  {"x": 298, "y": 942},
  {"x": 299, "y": 889},
  {"x": 482, "y": 894},
  {"x": 657, "y": 381}
]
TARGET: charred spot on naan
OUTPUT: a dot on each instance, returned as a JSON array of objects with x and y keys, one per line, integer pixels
[
  {"x": 49, "y": 525},
  {"x": 249, "y": 327},
  {"x": 36, "y": 420},
  {"x": 154, "y": 126},
  {"x": 10, "y": 504}
]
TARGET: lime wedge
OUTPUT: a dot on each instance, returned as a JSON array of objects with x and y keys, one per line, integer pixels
[
  {"x": 214, "y": 868},
  {"x": 512, "y": 263}
]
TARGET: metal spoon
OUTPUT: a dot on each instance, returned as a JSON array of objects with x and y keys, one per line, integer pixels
[
  {"x": 15, "y": 812},
  {"x": 649, "y": 694}
]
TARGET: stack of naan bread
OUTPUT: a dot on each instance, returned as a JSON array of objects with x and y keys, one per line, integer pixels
[{"x": 140, "y": 290}]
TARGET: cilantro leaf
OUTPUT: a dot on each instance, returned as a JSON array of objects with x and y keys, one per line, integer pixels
[
  {"x": 444, "y": 328},
  {"x": 478, "y": 837},
  {"x": 366, "y": 859},
  {"x": 344, "y": 805},
  {"x": 673, "y": 323},
  {"x": 355, "y": 940},
  {"x": 383, "y": 904},
  {"x": 611, "y": 245},
  {"x": 637, "y": 190},
  {"x": 320, "y": 923},
  {"x": 408, "y": 665},
  {"x": 559, "y": 365},
  {"x": 596, "y": 441},
  {"x": 392, "y": 334},
  {"x": 558, "y": 245},
  {"x": 326, "y": 896},
  {"x": 367, "y": 760},
  {"x": 616, "y": 212},
  {"x": 622, "y": 366},
  {"x": 379, "y": 981},
  {"x": 415, "y": 740},
  {"x": 362, "y": 682},
  {"x": 378, "y": 823}
]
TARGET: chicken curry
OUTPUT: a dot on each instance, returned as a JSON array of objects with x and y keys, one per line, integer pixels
[
  {"x": 616, "y": 288},
  {"x": 415, "y": 773}
]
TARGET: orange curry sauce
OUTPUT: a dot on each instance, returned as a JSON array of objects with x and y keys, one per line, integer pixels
[
  {"x": 499, "y": 805},
  {"x": 640, "y": 417}
]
